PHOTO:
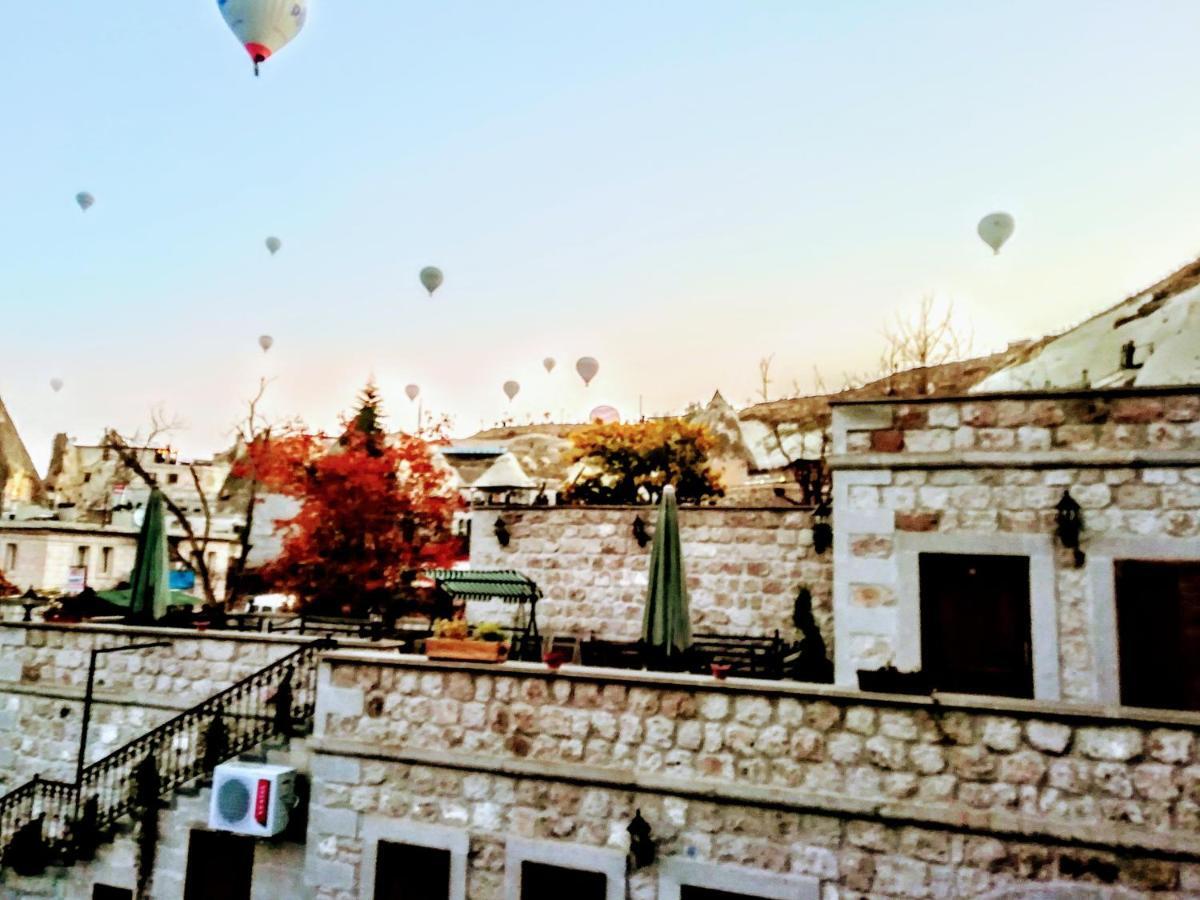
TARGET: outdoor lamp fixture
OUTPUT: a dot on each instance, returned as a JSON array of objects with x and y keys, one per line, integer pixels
[
  {"x": 29, "y": 601},
  {"x": 1068, "y": 525},
  {"x": 641, "y": 841},
  {"x": 640, "y": 534},
  {"x": 501, "y": 529},
  {"x": 822, "y": 530}
]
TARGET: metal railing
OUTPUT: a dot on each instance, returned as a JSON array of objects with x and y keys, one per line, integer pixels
[{"x": 58, "y": 819}]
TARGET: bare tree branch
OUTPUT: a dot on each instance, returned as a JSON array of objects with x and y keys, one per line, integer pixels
[{"x": 764, "y": 376}]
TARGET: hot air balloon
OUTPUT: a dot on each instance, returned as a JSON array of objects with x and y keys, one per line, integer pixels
[
  {"x": 264, "y": 26},
  {"x": 548, "y": 363},
  {"x": 511, "y": 389},
  {"x": 266, "y": 342},
  {"x": 587, "y": 369},
  {"x": 995, "y": 229},
  {"x": 413, "y": 391},
  {"x": 273, "y": 244},
  {"x": 605, "y": 414},
  {"x": 85, "y": 200},
  {"x": 432, "y": 278},
  {"x": 56, "y": 384}
]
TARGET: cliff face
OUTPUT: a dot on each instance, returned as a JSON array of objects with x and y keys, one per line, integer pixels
[{"x": 19, "y": 480}]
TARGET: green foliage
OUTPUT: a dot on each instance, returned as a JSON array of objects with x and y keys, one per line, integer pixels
[{"x": 631, "y": 463}]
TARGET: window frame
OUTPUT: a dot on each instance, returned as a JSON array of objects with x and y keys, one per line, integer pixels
[
  {"x": 675, "y": 873},
  {"x": 433, "y": 837},
  {"x": 603, "y": 860}
]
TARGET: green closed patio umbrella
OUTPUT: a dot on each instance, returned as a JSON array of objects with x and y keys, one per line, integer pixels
[
  {"x": 150, "y": 583},
  {"x": 666, "y": 626}
]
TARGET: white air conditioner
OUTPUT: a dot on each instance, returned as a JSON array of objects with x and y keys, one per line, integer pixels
[{"x": 252, "y": 798}]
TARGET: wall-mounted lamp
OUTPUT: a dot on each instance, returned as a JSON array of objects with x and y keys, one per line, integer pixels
[
  {"x": 822, "y": 528},
  {"x": 1068, "y": 525},
  {"x": 640, "y": 534},
  {"x": 641, "y": 841},
  {"x": 501, "y": 530}
]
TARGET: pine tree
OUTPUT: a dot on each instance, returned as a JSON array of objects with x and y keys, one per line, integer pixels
[{"x": 370, "y": 410}]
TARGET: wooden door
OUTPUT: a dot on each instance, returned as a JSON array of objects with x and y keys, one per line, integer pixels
[
  {"x": 545, "y": 882},
  {"x": 975, "y": 624},
  {"x": 219, "y": 865},
  {"x": 1158, "y": 633},
  {"x": 409, "y": 872}
]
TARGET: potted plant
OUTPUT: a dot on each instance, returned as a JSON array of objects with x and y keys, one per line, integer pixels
[
  {"x": 890, "y": 680},
  {"x": 455, "y": 639}
]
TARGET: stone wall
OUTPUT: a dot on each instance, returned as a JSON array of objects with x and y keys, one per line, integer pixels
[
  {"x": 43, "y": 675},
  {"x": 983, "y": 475},
  {"x": 744, "y": 566},
  {"x": 853, "y": 795}
]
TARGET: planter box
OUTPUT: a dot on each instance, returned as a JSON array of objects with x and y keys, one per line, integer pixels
[
  {"x": 474, "y": 651},
  {"x": 892, "y": 681}
]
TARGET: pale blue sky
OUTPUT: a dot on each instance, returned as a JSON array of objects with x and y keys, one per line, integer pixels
[{"x": 677, "y": 188}]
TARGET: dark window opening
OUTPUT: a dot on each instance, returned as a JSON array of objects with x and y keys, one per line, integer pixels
[
  {"x": 975, "y": 624},
  {"x": 219, "y": 864},
  {"x": 1158, "y": 633},
  {"x": 692, "y": 892},
  {"x": 107, "y": 892},
  {"x": 540, "y": 881},
  {"x": 410, "y": 872}
]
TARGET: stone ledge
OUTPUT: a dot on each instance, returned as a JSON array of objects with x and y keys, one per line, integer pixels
[
  {"x": 1167, "y": 390},
  {"x": 990, "y": 823},
  {"x": 1016, "y": 459},
  {"x": 184, "y": 634},
  {"x": 100, "y": 696},
  {"x": 1073, "y": 712}
]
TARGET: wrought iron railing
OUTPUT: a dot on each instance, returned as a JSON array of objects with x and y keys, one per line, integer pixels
[{"x": 58, "y": 821}]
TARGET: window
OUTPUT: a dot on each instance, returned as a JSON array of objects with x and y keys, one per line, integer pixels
[
  {"x": 173, "y": 478},
  {"x": 411, "y": 872},
  {"x": 685, "y": 879},
  {"x": 542, "y": 881},
  {"x": 975, "y": 624},
  {"x": 1158, "y": 633},
  {"x": 106, "y": 557},
  {"x": 107, "y": 892},
  {"x": 81, "y": 557},
  {"x": 87, "y": 477},
  {"x": 10, "y": 557},
  {"x": 551, "y": 870},
  {"x": 219, "y": 864},
  {"x": 413, "y": 861}
]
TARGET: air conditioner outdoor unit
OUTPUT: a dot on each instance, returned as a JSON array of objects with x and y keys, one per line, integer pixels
[{"x": 252, "y": 798}]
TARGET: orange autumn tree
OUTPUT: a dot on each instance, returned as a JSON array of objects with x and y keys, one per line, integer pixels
[
  {"x": 630, "y": 463},
  {"x": 375, "y": 510}
]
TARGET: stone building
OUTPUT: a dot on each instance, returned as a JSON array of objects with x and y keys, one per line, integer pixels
[
  {"x": 945, "y": 500},
  {"x": 19, "y": 481},
  {"x": 50, "y": 556}
]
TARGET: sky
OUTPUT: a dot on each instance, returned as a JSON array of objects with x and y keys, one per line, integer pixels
[{"x": 675, "y": 188}]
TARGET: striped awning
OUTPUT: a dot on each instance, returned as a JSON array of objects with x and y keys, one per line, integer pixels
[{"x": 480, "y": 584}]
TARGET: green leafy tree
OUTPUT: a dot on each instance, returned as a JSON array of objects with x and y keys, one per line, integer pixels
[{"x": 631, "y": 463}]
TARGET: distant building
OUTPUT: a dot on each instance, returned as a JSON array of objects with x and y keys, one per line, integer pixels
[
  {"x": 52, "y": 556},
  {"x": 89, "y": 482}
]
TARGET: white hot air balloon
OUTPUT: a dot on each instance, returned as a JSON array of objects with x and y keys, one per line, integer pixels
[
  {"x": 548, "y": 364},
  {"x": 273, "y": 244},
  {"x": 264, "y": 27},
  {"x": 587, "y": 369},
  {"x": 432, "y": 278},
  {"x": 604, "y": 414},
  {"x": 56, "y": 384},
  {"x": 413, "y": 391},
  {"x": 511, "y": 389},
  {"x": 995, "y": 229},
  {"x": 85, "y": 200},
  {"x": 266, "y": 342}
]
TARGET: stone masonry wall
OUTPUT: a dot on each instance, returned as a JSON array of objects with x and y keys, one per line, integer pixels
[
  {"x": 991, "y": 470},
  {"x": 43, "y": 674},
  {"x": 744, "y": 566},
  {"x": 870, "y": 796}
]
